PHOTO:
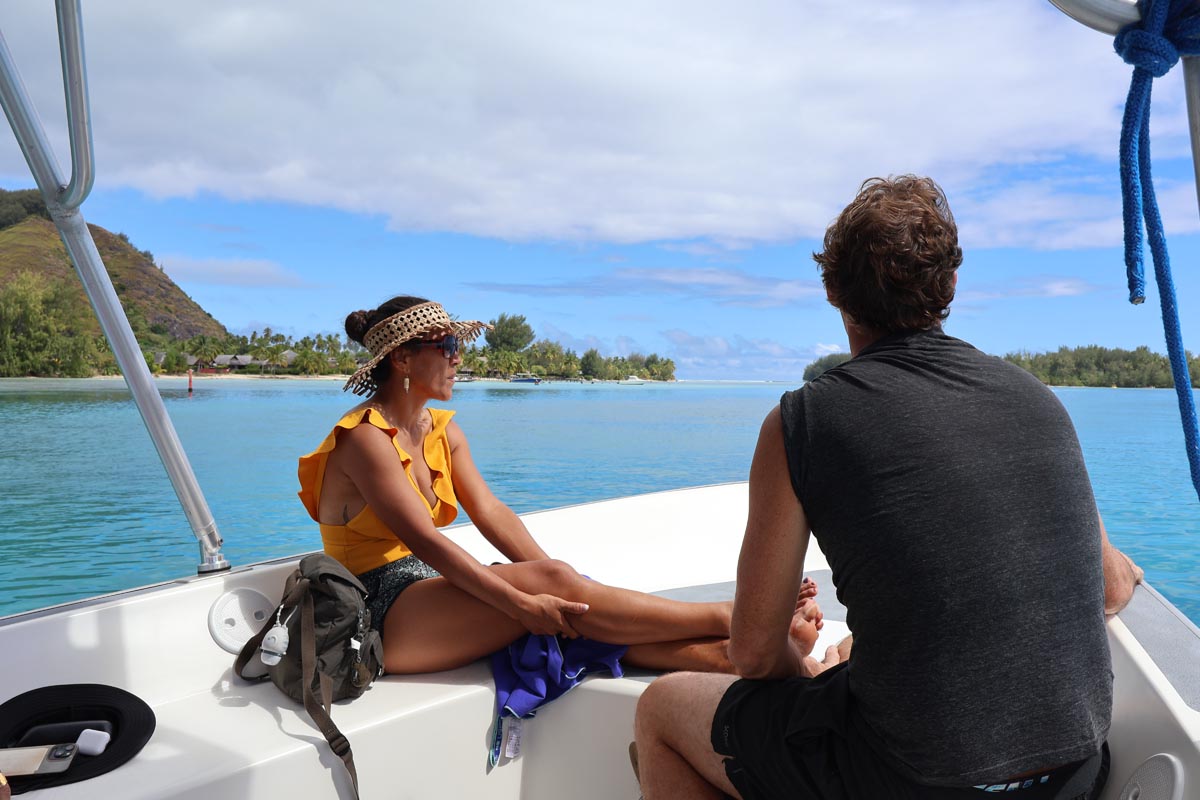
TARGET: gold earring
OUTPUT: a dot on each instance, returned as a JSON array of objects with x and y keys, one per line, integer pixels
[{"x": 406, "y": 384}]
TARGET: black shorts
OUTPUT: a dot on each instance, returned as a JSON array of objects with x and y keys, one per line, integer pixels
[
  {"x": 384, "y": 584},
  {"x": 799, "y": 738}
]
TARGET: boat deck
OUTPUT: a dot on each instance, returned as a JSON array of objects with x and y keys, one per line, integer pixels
[{"x": 428, "y": 735}]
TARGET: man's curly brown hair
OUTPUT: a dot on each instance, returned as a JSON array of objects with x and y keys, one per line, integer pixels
[{"x": 890, "y": 256}]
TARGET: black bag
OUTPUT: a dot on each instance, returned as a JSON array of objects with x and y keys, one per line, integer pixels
[{"x": 330, "y": 650}]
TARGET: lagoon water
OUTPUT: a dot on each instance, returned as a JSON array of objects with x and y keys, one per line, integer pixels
[{"x": 87, "y": 507}]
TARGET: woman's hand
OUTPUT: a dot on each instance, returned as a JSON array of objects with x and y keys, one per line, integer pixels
[{"x": 545, "y": 614}]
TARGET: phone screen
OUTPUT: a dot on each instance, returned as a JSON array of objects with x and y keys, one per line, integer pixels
[{"x": 36, "y": 760}]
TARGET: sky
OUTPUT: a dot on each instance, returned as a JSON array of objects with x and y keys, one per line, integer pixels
[{"x": 628, "y": 176}]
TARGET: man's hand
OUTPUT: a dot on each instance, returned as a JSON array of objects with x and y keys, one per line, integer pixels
[
  {"x": 811, "y": 668},
  {"x": 1121, "y": 575},
  {"x": 1139, "y": 574}
]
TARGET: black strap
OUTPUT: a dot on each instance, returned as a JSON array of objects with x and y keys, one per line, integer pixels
[
  {"x": 315, "y": 708},
  {"x": 296, "y": 591}
]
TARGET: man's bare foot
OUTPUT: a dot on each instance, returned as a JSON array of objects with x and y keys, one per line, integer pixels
[{"x": 806, "y": 625}]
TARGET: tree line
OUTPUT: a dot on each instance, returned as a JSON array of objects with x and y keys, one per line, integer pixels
[
  {"x": 1090, "y": 365},
  {"x": 510, "y": 348},
  {"x": 1093, "y": 365},
  {"x": 48, "y": 330}
]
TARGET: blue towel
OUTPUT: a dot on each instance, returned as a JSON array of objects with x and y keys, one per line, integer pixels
[{"x": 534, "y": 670}]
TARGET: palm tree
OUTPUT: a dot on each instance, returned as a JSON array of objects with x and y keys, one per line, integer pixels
[
  {"x": 205, "y": 349},
  {"x": 276, "y": 357},
  {"x": 259, "y": 351},
  {"x": 346, "y": 363},
  {"x": 309, "y": 361}
]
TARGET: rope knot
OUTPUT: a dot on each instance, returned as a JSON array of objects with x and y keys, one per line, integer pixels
[{"x": 1152, "y": 52}]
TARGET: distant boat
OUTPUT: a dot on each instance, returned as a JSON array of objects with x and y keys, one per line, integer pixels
[
  {"x": 467, "y": 378},
  {"x": 632, "y": 380},
  {"x": 524, "y": 377}
]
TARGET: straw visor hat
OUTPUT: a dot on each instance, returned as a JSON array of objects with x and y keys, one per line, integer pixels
[{"x": 409, "y": 324}]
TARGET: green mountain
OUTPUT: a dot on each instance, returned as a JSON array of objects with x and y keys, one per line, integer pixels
[
  {"x": 145, "y": 290},
  {"x": 45, "y": 318}
]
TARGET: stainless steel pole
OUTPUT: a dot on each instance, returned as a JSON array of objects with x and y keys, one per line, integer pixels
[
  {"x": 1191, "y": 88},
  {"x": 79, "y": 112},
  {"x": 62, "y": 202}
]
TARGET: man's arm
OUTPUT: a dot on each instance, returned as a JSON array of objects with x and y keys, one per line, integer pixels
[
  {"x": 1120, "y": 575},
  {"x": 769, "y": 568}
]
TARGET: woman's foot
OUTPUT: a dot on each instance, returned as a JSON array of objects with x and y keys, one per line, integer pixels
[
  {"x": 808, "y": 588},
  {"x": 806, "y": 625},
  {"x": 808, "y": 593}
]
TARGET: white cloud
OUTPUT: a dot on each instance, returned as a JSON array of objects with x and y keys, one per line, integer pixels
[
  {"x": 622, "y": 122},
  {"x": 739, "y": 357},
  {"x": 724, "y": 286},
  {"x": 1041, "y": 286},
  {"x": 820, "y": 349},
  {"x": 1064, "y": 214},
  {"x": 569, "y": 341},
  {"x": 246, "y": 272}
]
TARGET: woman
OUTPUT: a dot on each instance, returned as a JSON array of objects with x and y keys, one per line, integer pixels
[{"x": 393, "y": 471}]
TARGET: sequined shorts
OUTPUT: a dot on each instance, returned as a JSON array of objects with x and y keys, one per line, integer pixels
[{"x": 384, "y": 584}]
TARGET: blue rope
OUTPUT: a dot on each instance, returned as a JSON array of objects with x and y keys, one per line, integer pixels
[{"x": 1167, "y": 30}]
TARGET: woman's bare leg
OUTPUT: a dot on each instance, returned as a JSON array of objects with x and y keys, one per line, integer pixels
[
  {"x": 619, "y": 615},
  {"x": 712, "y": 655},
  {"x": 434, "y": 625},
  {"x": 693, "y": 655}
]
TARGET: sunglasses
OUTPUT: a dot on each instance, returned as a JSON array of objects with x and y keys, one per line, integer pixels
[{"x": 449, "y": 345}]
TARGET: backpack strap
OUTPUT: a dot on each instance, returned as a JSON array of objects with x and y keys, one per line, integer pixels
[
  {"x": 249, "y": 649},
  {"x": 318, "y": 710},
  {"x": 292, "y": 590}
]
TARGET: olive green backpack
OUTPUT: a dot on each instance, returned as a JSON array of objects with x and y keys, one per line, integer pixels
[{"x": 322, "y": 644}]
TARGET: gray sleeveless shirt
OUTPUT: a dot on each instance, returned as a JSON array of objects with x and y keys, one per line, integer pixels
[{"x": 948, "y": 491}]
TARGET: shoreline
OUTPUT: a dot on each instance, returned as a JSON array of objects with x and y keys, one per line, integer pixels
[{"x": 106, "y": 379}]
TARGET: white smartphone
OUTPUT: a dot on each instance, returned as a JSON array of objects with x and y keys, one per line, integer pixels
[{"x": 38, "y": 760}]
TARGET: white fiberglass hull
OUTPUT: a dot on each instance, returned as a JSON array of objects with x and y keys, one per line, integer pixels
[{"x": 427, "y": 736}]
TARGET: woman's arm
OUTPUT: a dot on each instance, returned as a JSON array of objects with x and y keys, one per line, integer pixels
[
  {"x": 496, "y": 521},
  {"x": 372, "y": 464}
]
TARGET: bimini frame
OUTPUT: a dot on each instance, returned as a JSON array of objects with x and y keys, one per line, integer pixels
[{"x": 63, "y": 201}]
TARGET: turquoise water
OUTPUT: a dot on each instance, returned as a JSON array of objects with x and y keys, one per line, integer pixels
[{"x": 87, "y": 507}]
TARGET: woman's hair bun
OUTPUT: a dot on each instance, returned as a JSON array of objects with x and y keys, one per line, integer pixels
[{"x": 357, "y": 325}]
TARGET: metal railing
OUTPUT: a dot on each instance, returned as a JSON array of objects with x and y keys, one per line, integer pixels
[{"x": 63, "y": 200}]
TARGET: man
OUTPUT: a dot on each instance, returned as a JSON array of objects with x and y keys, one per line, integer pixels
[{"x": 949, "y": 494}]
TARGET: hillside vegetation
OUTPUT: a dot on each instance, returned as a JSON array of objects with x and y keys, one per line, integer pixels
[
  {"x": 47, "y": 326},
  {"x": 1102, "y": 366}
]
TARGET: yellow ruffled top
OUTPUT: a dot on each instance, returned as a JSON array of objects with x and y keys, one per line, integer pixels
[{"x": 364, "y": 542}]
